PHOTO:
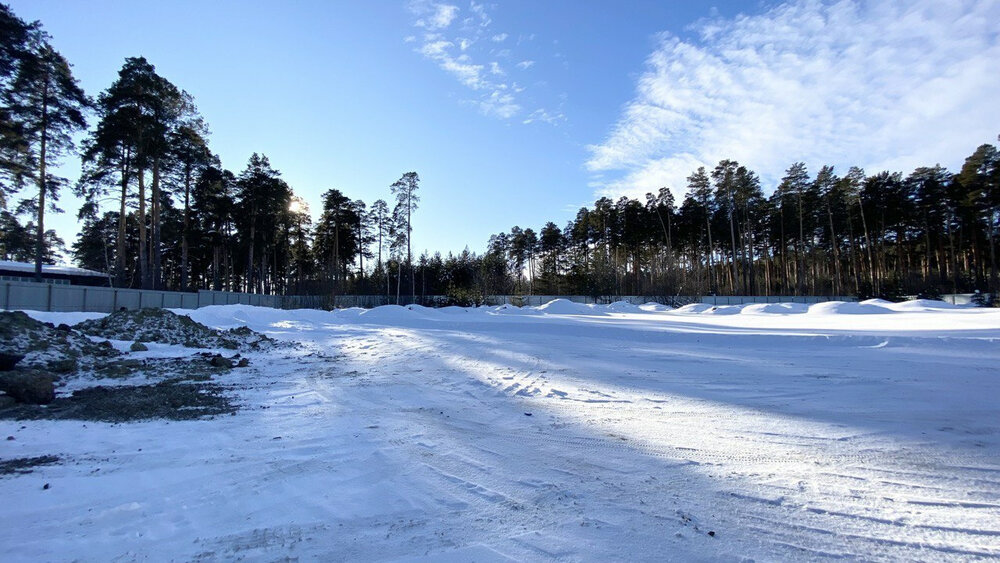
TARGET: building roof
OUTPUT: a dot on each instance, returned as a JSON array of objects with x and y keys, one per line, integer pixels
[{"x": 10, "y": 266}]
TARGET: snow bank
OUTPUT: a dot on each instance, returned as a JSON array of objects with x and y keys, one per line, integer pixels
[
  {"x": 385, "y": 313},
  {"x": 775, "y": 309},
  {"x": 453, "y": 310},
  {"x": 923, "y": 305},
  {"x": 870, "y": 307},
  {"x": 623, "y": 307},
  {"x": 565, "y": 307},
  {"x": 232, "y": 316},
  {"x": 655, "y": 307},
  {"x": 695, "y": 308},
  {"x": 508, "y": 309}
]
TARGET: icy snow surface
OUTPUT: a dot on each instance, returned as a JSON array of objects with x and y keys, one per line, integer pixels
[{"x": 563, "y": 432}]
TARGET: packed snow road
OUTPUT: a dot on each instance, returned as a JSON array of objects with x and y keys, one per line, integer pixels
[{"x": 565, "y": 432}]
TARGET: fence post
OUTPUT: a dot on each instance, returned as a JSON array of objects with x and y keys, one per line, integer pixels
[
  {"x": 48, "y": 300},
  {"x": 114, "y": 301}
]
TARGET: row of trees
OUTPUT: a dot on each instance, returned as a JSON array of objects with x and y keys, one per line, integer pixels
[
  {"x": 929, "y": 232},
  {"x": 181, "y": 221},
  {"x": 41, "y": 107},
  {"x": 161, "y": 212}
]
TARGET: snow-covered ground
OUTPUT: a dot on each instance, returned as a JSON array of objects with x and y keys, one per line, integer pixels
[{"x": 564, "y": 432}]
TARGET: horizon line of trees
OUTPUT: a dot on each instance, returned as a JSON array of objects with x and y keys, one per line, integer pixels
[{"x": 161, "y": 212}]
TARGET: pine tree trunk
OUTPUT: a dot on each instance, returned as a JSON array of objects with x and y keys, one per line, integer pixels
[
  {"x": 836, "y": 252},
  {"x": 143, "y": 254},
  {"x": 120, "y": 258},
  {"x": 184, "y": 231},
  {"x": 801, "y": 250},
  {"x": 42, "y": 183},
  {"x": 157, "y": 269}
]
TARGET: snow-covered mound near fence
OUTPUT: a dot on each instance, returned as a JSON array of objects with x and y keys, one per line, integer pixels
[
  {"x": 655, "y": 307},
  {"x": 622, "y": 307},
  {"x": 565, "y": 307},
  {"x": 924, "y": 305},
  {"x": 774, "y": 309},
  {"x": 870, "y": 307}
]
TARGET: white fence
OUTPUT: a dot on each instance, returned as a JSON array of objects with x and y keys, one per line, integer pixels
[{"x": 66, "y": 298}]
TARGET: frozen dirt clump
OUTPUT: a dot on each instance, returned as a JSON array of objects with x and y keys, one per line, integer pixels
[
  {"x": 28, "y": 386},
  {"x": 167, "y": 327},
  {"x": 171, "y": 399},
  {"x": 46, "y": 347},
  {"x": 23, "y": 465}
]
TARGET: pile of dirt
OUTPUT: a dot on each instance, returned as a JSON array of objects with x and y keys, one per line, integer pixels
[
  {"x": 59, "y": 350},
  {"x": 166, "y": 327},
  {"x": 171, "y": 399},
  {"x": 36, "y": 357}
]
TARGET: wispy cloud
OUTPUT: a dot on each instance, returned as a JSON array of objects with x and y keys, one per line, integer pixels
[
  {"x": 544, "y": 116},
  {"x": 889, "y": 85},
  {"x": 437, "y": 16},
  {"x": 449, "y": 37}
]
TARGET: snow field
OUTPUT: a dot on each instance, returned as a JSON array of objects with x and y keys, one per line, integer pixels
[{"x": 563, "y": 432}]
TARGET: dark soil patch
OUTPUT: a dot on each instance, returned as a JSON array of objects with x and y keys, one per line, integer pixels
[
  {"x": 171, "y": 399},
  {"x": 24, "y": 465}
]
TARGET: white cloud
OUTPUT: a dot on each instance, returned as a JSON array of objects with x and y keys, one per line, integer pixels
[
  {"x": 457, "y": 50},
  {"x": 500, "y": 103},
  {"x": 544, "y": 116},
  {"x": 891, "y": 85},
  {"x": 524, "y": 65},
  {"x": 437, "y": 16}
]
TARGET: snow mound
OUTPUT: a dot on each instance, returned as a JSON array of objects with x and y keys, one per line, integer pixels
[
  {"x": 385, "y": 313},
  {"x": 259, "y": 318},
  {"x": 453, "y": 310},
  {"x": 623, "y": 307},
  {"x": 565, "y": 307},
  {"x": 655, "y": 307},
  {"x": 775, "y": 309},
  {"x": 923, "y": 305},
  {"x": 870, "y": 307},
  {"x": 422, "y": 312},
  {"x": 696, "y": 308},
  {"x": 508, "y": 309},
  {"x": 349, "y": 312},
  {"x": 725, "y": 310}
]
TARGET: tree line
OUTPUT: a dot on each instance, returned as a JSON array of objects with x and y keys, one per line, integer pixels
[
  {"x": 161, "y": 212},
  {"x": 927, "y": 233}
]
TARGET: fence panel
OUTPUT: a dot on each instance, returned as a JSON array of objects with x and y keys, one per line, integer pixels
[{"x": 59, "y": 297}]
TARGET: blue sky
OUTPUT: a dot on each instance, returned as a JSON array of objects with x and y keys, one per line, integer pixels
[{"x": 516, "y": 113}]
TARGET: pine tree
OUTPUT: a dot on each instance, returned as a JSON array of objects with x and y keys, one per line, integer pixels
[
  {"x": 48, "y": 104},
  {"x": 405, "y": 190}
]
